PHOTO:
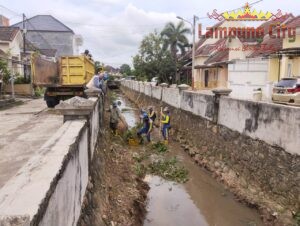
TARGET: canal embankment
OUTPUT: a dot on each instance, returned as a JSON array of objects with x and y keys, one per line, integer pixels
[{"x": 259, "y": 169}]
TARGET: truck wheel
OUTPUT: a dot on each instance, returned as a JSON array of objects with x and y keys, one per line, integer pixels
[{"x": 51, "y": 103}]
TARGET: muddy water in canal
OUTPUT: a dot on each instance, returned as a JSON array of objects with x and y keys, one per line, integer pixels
[{"x": 199, "y": 202}]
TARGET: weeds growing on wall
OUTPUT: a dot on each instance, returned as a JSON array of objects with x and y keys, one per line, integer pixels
[
  {"x": 38, "y": 91},
  {"x": 297, "y": 217}
]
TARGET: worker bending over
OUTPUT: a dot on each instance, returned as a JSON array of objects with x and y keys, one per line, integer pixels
[
  {"x": 115, "y": 116},
  {"x": 147, "y": 128},
  {"x": 152, "y": 114},
  {"x": 165, "y": 121}
]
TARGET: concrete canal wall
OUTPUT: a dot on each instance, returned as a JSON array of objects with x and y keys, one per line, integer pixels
[
  {"x": 50, "y": 188},
  {"x": 253, "y": 147},
  {"x": 274, "y": 124}
]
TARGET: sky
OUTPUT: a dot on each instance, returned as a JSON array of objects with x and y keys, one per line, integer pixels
[{"x": 113, "y": 29}]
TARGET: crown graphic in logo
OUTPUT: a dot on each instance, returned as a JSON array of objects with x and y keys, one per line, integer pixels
[{"x": 245, "y": 15}]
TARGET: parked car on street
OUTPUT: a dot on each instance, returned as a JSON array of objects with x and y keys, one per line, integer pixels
[{"x": 287, "y": 91}]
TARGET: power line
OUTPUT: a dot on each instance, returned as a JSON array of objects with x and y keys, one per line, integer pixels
[{"x": 14, "y": 12}]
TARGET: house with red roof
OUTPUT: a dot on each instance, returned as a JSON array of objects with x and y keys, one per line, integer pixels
[
  {"x": 267, "y": 63},
  {"x": 215, "y": 53}
]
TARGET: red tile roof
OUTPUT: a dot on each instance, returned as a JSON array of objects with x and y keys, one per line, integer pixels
[
  {"x": 8, "y": 33},
  {"x": 268, "y": 46},
  {"x": 295, "y": 22},
  {"x": 199, "y": 44},
  {"x": 207, "y": 49},
  {"x": 218, "y": 57},
  {"x": 266, "y": 25},
  {"x": 188, "y": 54}
]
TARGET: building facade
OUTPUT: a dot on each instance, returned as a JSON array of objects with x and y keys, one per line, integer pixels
[{"x": 11, "y": 46}]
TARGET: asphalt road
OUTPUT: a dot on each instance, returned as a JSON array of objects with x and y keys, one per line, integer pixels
[{"x": 23, "y": 130}]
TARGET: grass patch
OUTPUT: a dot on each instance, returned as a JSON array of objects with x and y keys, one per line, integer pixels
[
  {"x": 132, "y": 133},
  {"x": 297, "y": 217},
  {"x": 113, "y": 96},
  {"x": 169, "y": 169},
  {"x": 140, "y": 169},
  {"x": 139, "y": 157},
  {"x": 39, "y": 91},
  {"x": 160, "y": 147}
]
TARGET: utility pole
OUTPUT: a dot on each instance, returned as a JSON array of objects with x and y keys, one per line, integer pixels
[
  {"x": 193, "y": 51},
  {"x": 195, "y": 18},
  {"x": 24, "y": 46}
]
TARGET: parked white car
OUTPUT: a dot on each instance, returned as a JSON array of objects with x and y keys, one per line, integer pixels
[{"x": 287, "y": 91}]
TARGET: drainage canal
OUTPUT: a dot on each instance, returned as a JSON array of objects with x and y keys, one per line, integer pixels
[{"x": 200, "y": 201}]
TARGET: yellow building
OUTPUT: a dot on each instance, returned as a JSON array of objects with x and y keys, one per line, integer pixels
[{"x": 285, "y": 62}]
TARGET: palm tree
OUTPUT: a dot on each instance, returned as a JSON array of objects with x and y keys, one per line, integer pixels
[{"x": 175, "y": 38}]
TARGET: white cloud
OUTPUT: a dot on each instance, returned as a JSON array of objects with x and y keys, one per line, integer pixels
[
  {"x": 114, "y": 40},
  {"x": 113, "y": 29},
  {"x": 112, "y": 36},
  {"x": 107, "y": 1}
]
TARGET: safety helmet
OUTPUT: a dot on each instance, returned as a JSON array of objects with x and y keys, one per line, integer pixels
[
  {"x": 150, "y": 108},
  {"x": 100, "y": 69},
  {"x": 105, "y": 77},
  {"x": 145, "y": 117},
  {"x": 166, "y": 109}
]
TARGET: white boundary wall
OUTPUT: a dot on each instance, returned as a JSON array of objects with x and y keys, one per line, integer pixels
[
  {"x": 275, "y": 124},
  {"x": 50, "y": 188}
]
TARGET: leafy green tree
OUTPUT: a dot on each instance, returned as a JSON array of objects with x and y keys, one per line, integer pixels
[
  {"x": 4, "y": 72},
  {"x": 175, "y": 39},
  {"x": 125, "y": 69},
  {"x": 152, "y": 60}
]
